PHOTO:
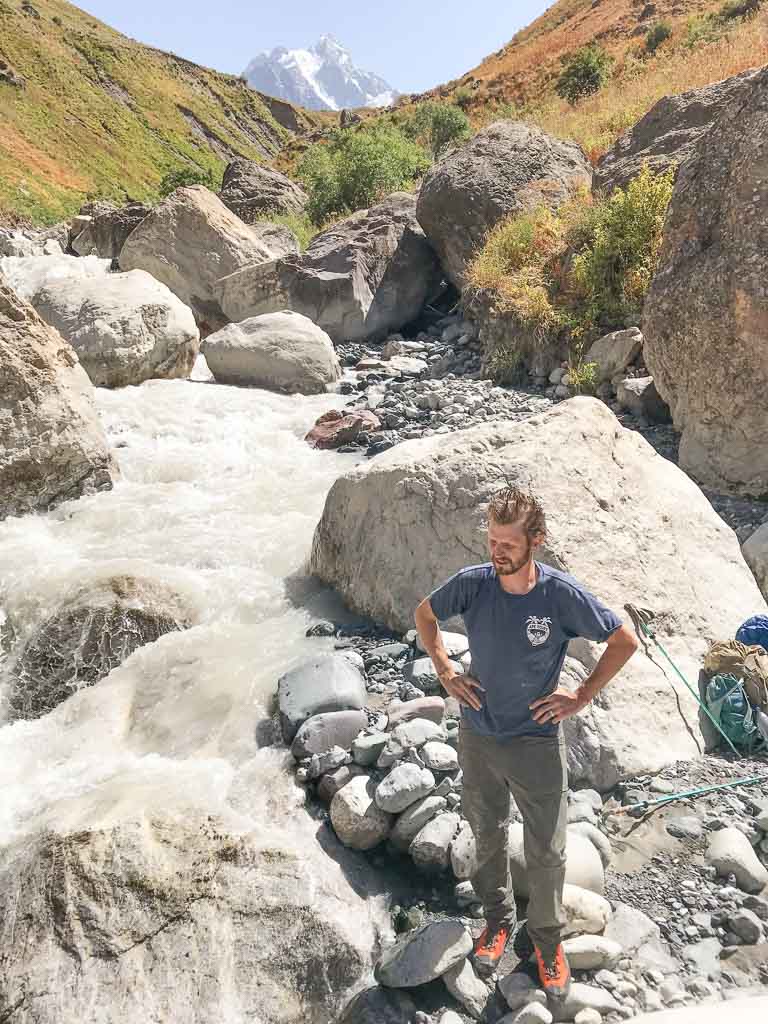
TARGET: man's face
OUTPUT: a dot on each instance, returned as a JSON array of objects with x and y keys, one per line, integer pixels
[{"x": 510, "y": 547}]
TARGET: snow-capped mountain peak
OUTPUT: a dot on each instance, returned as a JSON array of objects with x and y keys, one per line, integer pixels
[{"x": 324, "y": 77}]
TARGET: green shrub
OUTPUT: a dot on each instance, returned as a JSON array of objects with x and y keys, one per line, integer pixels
[
  {"x": 739, "y": 9},
  {"x": 183, "y": 176},
  {"x": 57, "y": 20},
  {"x": 614, "y": 271},
  {"x": 577, "y": 273},
  {"x": 661, "y": 31},
  {"x": 702, "y": 29},
  {"x": 438, "y": 125},
  {"x": 462, "y": 97},
  {"x": 298, "y": 223},
  {"x": 584, "y": 73},
  {"x": 358, "y": 167}
]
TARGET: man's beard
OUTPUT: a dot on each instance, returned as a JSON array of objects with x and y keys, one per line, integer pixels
[{"x": 506, "y": 567}]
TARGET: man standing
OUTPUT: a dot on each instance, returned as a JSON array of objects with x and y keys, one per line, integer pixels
[{"x": 519, "y": 615}]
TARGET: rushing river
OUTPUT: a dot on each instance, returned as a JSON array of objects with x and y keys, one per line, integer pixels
[{"x": 219, "y": 496}]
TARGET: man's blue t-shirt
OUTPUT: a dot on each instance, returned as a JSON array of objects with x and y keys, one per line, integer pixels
[{"x": 518, "y": 642}]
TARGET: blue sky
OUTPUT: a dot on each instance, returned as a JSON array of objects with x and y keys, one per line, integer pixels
[{"x": 413, "y": 51}]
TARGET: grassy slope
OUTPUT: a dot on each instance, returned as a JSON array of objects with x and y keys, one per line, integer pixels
[
  {"x": 104, "y": 115},
  {"x": 518, "y": 80}
]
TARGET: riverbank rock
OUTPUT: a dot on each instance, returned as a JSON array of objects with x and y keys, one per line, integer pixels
[
  {"x": 582, "y": 997},
  {"x": 750, "y": 1010},
  {"x": 591, "y": 952},
  {"x": 188, "y": 242},
  {"x": 607, "y": 496},
  {"x": 755, "y": 550},
  {"x": 730, "y": 852},
  {"x": 614, "y": 352},
  {"x": 187, "y": 914},
  {"x": 667, "y": 135},
  {"x": 332, "y": 729},
  {"x": 365, "y": 276},
  {"x": 584, "y": 866},
  {"x": 640, "y": 396},
  {"x": 104, "y": 232},
  {"x": 586, "y": 912},
  {"x": 705, "y": 312},
  {"x": 466, "y": 988},
  {"x": 125, "y": 328},
  {"x": 327, "y": 683},
  {"x": 424, "y": 954},
  {"x": 253, "y": 191},
  {"x": 507, "y": 168},
  {"x": 278, "y": 351},
  {"x": 334, "y": 428},
  {"x": 431, "y": 845},
  {"x": 357, "y": 819},
  {"x": 380, "y": 1005},
  {"x": 52, "y": 445},
  {"x": 404, "y": 786},
  {"x": 93, "y": 631}
]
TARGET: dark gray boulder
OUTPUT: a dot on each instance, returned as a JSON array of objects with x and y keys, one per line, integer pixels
[
  {"x": 706, "y": 312},
  {"x": 667, "y": 135},
  {"x": 362, "y": 278},
  {"x": 93, "y": 631},
  {"x": 379, "y": 1006},
  {"x": 332, "y": 729},
  {"x": 328, "y": 682},
  {"x": 253, "y": 191},
  {"x": 507, "y": 168},
  {"x": 104, "y": 231}
]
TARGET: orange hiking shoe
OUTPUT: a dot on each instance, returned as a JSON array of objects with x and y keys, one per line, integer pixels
[
  {"x": 554, "y": 974},
  {"x": 489, "y": 949}
]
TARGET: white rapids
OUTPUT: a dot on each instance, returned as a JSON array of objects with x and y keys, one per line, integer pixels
[{"x": 220, "y": 494}]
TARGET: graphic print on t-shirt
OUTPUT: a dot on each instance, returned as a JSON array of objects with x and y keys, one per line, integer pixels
[{"x": 537, "y": 630}]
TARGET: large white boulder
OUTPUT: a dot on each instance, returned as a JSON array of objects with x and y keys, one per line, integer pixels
[
  {"x": 27, "y": 275},
  {"x": 189, "y": 241},
  {"x": 52, "y": 446},
  {"x": 583, "y": 867},
  {"x": 745, "y": 1011},
  {"x": 125, "y": 328},
  {"x": 278, "y": 351},
  {"x": 623, "y": 520}
]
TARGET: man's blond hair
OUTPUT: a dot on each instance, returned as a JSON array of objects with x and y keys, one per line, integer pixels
[{"x": 515, "y": 505}]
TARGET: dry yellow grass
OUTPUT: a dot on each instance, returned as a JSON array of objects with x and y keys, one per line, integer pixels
[{"x": 597, "y": 121}]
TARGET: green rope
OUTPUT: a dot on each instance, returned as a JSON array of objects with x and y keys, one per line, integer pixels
[
  {"x": 753, "y": 781},
  {"x": 639, "y": 620}
]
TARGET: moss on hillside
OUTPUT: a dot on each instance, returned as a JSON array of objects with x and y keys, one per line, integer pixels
[{"x": 102, "y": 115}]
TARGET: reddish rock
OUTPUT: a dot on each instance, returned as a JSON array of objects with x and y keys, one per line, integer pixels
[{"x": 335, "y": 428}]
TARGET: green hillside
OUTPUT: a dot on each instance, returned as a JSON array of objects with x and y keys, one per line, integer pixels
[{"x": 86, "y": 112}]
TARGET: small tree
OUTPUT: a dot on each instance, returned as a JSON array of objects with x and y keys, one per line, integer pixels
[
  {"x": 584, "y": 73},
  {"x": 183, "y": 176},
  {"x": 656, "y": 35},
  {"x": 438, "y": 125}
]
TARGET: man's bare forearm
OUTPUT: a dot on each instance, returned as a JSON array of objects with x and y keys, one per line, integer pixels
[
  {"x": 621, "y": 646},
  {"x": 432, "y": 641}
]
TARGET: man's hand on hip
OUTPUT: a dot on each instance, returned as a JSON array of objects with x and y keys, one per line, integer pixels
[
  {"x": 463, "y": 687},
  {"x": 557, "y": 706}
]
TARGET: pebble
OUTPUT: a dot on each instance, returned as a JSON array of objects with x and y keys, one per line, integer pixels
[
  {"x": 465, "y": 986},
  {"x": 588, "y": 1016},
  {"x": 439, "y": 757},
  {"x": 517, "y": 990},
  {"x": 533, "y": 1013}
]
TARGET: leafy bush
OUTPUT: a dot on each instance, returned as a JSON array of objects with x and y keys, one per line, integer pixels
[
  {"x": 579, "y": 272},
  {"x": 184, "y": 176},
  {"x": 437, "y": 125},
  {"x": 298, "y": 223},
  {"x": 585, "y": 72},
  {"x": 358, "y": 167},
  {"x": 739, "y": 9},
  {"x": 656, "y": 35},
  {"x": 702, "y": 29},
  {"x": 462, "y": 97}
]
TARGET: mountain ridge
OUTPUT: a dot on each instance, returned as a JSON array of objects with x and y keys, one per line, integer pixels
[{"x": 322, "y": 77}]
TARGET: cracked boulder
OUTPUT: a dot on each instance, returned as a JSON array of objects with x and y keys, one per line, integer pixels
[
  {"x": 182, "y": 918},
  {"x": 619, "y": 517},
  {"x": 102, "y": 229},
  {"x": 191, "y": 239},
  {"x": 362, "y": 278},
  {"x": 52, "y": 446}
]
